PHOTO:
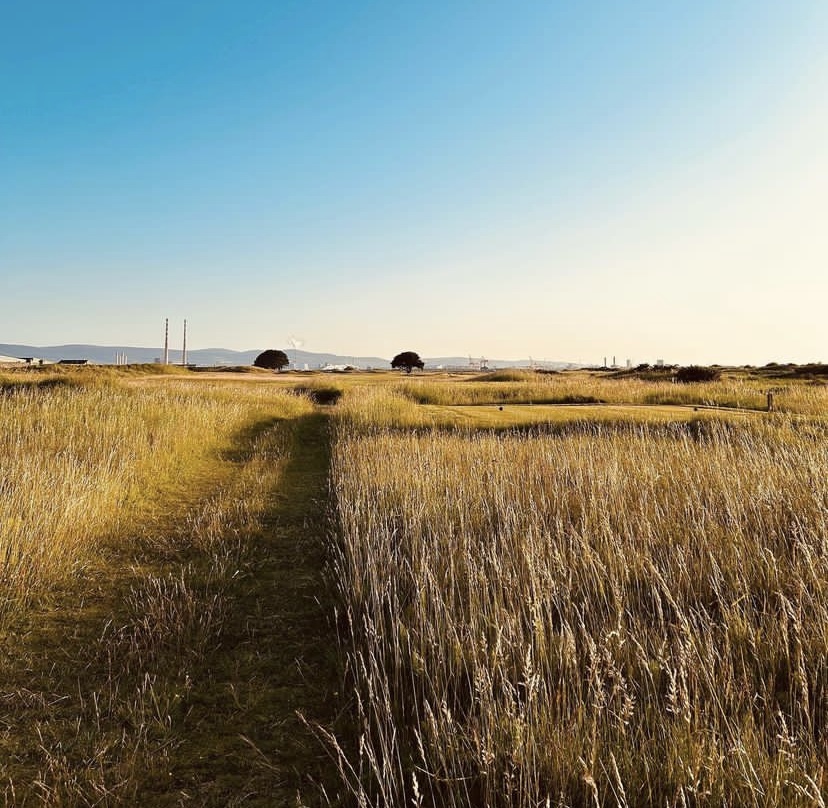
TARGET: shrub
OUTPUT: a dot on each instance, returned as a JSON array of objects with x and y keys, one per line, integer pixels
[
  {"x": 319, "y": 394},
  {"x": 697, "y": 373}
]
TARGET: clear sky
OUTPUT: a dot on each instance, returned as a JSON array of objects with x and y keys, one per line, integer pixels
[{"x": 556, "y": 179}]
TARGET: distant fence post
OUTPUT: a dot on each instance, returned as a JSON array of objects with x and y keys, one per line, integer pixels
[{"x": 770, "y": 401}]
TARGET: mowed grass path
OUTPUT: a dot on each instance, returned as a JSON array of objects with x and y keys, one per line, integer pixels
[
  {"x": 171, "y": 672},
  {"x": 243, "y": 740}
]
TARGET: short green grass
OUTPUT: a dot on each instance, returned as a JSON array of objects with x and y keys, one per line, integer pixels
[{"x": 519, "y": 415}]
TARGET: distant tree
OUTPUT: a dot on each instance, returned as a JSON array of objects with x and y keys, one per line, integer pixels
[
  {"x": 407, "y": 360},
  {"x": 271, "y": 359}
]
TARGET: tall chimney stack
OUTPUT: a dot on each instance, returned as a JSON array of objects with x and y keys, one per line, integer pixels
[
  {"x": 166, "y": 340},
  {"x": 184, "y": 349}
]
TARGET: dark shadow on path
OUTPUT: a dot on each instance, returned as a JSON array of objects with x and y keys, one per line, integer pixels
[
  {"x": 278, "y": 653},
  {"x": 104, "y": 704}
]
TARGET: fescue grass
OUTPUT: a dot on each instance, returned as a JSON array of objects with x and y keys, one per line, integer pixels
[
  {"x": 139, "y": 655},
  {"x": 601, "y": 604},
  {"x": 622, "y": 614},
  {"x": 508, "y": 375},
  {"x": 77, "y": 459}
]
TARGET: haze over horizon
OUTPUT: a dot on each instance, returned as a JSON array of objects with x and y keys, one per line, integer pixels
[{"x": 642, "y": 180}]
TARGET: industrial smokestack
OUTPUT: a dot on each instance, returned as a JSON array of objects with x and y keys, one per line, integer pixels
[
  {"x": 184, "y": 348},
  {"x": 166, "y": 340}
]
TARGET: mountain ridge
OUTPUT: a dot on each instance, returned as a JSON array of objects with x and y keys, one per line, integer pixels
[{"x": 223, "y": 357}]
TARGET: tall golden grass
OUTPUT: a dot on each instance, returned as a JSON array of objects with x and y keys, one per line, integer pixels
[
  {"x": 614, "y": 616},
  {"x": 77, "y": 458}
]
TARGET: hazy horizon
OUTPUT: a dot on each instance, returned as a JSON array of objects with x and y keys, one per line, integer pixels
[{"x": 453, "y": 178}]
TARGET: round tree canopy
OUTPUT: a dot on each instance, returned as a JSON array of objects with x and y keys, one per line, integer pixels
[
  {"x": 271, "y": 359},
  {"x": 407, "y": 360}
]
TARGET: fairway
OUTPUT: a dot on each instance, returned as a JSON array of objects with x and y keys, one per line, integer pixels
[{"x": 518, "y": 415}]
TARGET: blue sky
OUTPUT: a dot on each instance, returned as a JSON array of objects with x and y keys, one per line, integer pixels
[{"x": 640, "y": 179}]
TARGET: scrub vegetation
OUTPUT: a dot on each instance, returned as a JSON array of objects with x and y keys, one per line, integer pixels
[{"x": 516, "y": 589}]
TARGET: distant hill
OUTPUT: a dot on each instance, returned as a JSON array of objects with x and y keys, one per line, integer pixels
[
  {"x": 218, "y": 357},
  {"x": 208, "y": 357}
]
